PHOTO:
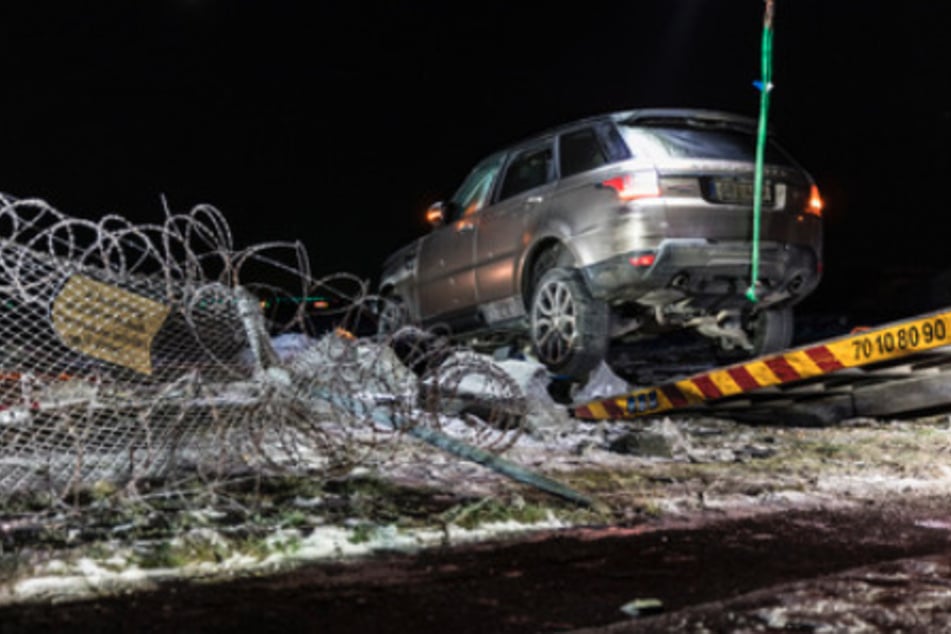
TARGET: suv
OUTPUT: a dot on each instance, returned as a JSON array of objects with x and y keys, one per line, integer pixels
[{"x": 614, "y": 227}]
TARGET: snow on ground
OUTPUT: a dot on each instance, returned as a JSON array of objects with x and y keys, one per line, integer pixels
[
  {"x": 88, "y": 577},
  {"x": 653, "y": 472}
]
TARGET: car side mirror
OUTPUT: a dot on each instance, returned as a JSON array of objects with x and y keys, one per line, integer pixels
[{"x": 436, "y": 214}]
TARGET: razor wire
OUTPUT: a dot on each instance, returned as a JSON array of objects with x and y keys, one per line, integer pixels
[{"x": 131, "y": 351}]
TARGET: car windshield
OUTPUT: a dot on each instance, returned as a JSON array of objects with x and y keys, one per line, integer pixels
[{"x": 725, "y": 144}]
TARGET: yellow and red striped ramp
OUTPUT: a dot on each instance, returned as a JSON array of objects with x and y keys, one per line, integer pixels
[{"x": 880, "y": 344}]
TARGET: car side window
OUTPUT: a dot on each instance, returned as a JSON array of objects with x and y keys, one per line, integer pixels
[
  {"x": 580, "y": 151},
  {"x": 529, "y": 169},
  {"x": 474, "y": 192},
  {"x": 613, "y": 143}
]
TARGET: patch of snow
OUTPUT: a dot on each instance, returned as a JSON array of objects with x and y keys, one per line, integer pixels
[
  {"x": 936, "y": 524},
  {"x": 602, "y": 383},
  {"x": 878, "y": 483},
  {"x": 348, "y": 367},
  {"x": 799, "y": 499},
  {"x": 289, "y": 345},
  {"x": 531, "y": 376},
  {"x": 90, "y": 578},
  {"x": 335, "y": 542},
  {"x": 87, "y": 579},
  {"x": 544, "y": 418}
]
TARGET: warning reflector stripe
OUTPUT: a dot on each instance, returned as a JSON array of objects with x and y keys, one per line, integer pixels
[
  {"x": 824, "y": 359},
  {"x": 707, "y": 387},
  {"x": 743, "y": 378},
  {"x": 673, "y": 395},
  {"x": 761, "y": 372},
  {"x": 613, "y": 409},
  {"x": 724, "y": 382},
  {"x": 781, "y": 368},
  {"x": 690, "y": 390},
  {"x": 591, "y": 411},
  {"x": 887, "y": 342},
  {"x": 802, "y": 363}
]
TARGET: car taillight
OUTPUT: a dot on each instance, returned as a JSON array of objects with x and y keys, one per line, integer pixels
[
  {"x": 642, "y": 260},
  {"x": 634, "y": 185},
  {"x": 815, "y": 204}
]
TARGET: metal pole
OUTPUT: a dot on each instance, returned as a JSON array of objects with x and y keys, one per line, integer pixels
[{"x": 458, "y": 448}]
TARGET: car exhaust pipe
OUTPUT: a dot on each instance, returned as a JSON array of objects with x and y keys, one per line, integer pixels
[
  {"x": 680, "y": 281},
  {"x": 795, "y": 284}
]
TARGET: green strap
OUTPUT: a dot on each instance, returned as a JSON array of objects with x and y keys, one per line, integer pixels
[{"x": 765, "y": 85}]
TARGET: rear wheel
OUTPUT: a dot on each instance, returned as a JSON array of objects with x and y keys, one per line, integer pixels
[
  {"x": 569, "y": 327},
  {"x": 771, "y": 330},
  {"x": 768, "y": 331}
]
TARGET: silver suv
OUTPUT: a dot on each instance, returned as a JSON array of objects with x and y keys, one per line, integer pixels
[{"x": 616, "y": 227}]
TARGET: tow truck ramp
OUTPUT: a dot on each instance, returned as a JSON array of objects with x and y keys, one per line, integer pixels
[{"x": 898, "y": 369}]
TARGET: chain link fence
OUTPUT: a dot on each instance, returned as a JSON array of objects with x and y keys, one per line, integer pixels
[{"x": 132, "y": 351}]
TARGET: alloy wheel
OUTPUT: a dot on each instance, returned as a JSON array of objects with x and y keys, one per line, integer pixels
[{"x": 554, "y": 322}]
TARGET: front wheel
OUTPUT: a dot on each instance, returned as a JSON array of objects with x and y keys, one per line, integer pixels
[
  {"x": 391, "y": 315},
  {"x": 569, "y": 327}
]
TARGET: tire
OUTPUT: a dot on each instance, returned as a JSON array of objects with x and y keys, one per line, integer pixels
[
  {"x": 418, "y": 350},
  {"x": 569, "y": 328},
  {"x": 771, "y": 330},
  {"x": 768, "y": 330},
  {"x": 391, "y": 315}
]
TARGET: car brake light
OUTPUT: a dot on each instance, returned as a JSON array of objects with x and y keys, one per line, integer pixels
[
  {"x": 815, "y": 204},
  {"x": 645, "y": 259},
  {"x": 634, "y": 185}
]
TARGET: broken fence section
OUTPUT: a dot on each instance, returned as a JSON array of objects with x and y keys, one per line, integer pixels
[{"x": 130, "y": 352}]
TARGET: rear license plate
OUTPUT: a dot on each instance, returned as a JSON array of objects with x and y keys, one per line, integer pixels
[{"x": 739, "y": 191}]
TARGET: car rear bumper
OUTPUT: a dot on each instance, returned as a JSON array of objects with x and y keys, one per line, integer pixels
[{"x": 705, "y": 270}]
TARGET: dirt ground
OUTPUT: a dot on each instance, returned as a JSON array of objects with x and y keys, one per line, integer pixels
[
  {"x": 702, "y": 525},
  {"x": 792, "y": 571}
]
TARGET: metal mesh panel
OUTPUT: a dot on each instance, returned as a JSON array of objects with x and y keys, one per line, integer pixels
[
  {"x": 125, "y": 348},
  {"x": 128, "y": 351}
]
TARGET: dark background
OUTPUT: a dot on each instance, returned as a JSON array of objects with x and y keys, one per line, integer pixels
[{"x": 338, "y": 123}]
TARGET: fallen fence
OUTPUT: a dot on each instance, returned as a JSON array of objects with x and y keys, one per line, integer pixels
[{"x": 129, "y": 352}]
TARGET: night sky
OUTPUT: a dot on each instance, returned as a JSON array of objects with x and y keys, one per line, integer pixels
[{"x": 338, "y": 123}]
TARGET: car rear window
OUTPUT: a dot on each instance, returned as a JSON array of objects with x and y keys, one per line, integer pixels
[{"x": 726, "y": 144}]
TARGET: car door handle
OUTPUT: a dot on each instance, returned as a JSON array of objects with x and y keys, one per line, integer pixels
[
  {"x": 465, "y": 227},
  {"x": 533, "y": 200}
]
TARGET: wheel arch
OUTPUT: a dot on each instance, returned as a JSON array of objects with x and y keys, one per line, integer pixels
[{"x": 542, "y": 245}]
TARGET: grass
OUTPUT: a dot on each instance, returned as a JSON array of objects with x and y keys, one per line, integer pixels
[
  {"x": 491, "y": 510},
  {"x": 258, "y": 516}
]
